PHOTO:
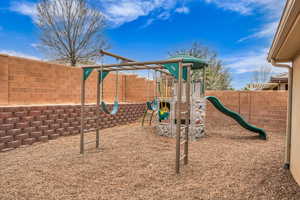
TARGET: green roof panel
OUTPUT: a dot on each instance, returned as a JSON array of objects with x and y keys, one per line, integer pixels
[{"x": 173, "y": 68}]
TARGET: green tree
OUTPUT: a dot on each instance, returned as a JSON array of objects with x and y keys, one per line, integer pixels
[{"x": 217, "y": 76}]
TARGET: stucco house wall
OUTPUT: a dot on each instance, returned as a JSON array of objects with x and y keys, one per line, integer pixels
[
  {"x": 295, "y": 135},
  {"x": 285, "y": 53}
]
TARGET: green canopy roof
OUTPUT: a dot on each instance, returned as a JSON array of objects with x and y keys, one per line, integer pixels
[
  {"x": 173, "y": 68},
  {"x": 198, "y": 63}
]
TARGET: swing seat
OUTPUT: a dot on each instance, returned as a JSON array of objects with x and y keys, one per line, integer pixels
[
  {"x": 152, "y": 105},
  {"x": 164, "y": 111},
  {"x": 114, "y": 110},
  {"x": 163, "y": 115}
]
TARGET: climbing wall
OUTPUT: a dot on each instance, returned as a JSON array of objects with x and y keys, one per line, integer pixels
[{"x": 197, "y": 125}]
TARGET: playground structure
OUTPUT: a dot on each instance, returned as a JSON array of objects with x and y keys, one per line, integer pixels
[
  {"x": 184, "y": 100},
  {"x": 166, "y": 122},
  {"x": 179, "y": 67}
]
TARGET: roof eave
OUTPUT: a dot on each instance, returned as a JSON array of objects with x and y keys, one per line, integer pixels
[{"x": 286, "y": 22}]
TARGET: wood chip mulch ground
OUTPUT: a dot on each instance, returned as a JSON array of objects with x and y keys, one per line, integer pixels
[{"x": 134, "y": 163}]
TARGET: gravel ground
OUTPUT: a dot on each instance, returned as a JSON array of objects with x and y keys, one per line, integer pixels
[{"x": 134, "y": 163}]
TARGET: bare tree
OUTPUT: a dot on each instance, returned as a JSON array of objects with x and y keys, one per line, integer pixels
[
  {"x": 70, "y": 30},
  {"x": 217, "y": 76},
  {"x": 262, "y": 75}
]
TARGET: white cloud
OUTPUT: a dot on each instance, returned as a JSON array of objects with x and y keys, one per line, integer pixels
[
  {"x": 125, "y": 11},
  {"x": 236, "y": 6},
  {"x": 24, "y": 8},
  {"x": 34, "y": 45},
  {"x": 119, "y": 12},
  {"x": 183, "y": 9},
  {"x": 247, "y": 7},
  {"x": 248, "y": 62},
  {"x": 267, "y": 31},
  {"x": 148, "y": 23},
  {"x": 269, "y": 9},
  {"x": 164, "y": 15},
  {"x": 18, "y": 54}
]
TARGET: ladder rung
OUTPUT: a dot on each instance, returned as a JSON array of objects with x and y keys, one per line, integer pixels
[
  {"x": 90, "y": 148},
  {"x": 182, "y": 157},
  {"x": 89, "y": 142},
  {"x": 89, "y": 130},
  {"x": 184, "y": 112},
  {"x": 183, "y": 142}
]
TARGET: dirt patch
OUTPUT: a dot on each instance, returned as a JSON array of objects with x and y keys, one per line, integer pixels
[{"x": 134, "y": 163}]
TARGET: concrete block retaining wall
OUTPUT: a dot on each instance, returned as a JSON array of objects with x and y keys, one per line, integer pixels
[{"x": 25, "y": 125}]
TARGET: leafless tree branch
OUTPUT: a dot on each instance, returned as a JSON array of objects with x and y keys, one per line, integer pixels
[
  {"x": 262, "y": 75},
  {"x": 70, "y": 30}
]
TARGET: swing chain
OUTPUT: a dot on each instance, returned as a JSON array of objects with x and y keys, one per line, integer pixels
[
  {"x": 101, "y": 79},
  {"x": 117, "y": 85}
]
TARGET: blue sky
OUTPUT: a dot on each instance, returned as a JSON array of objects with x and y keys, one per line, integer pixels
[{"x": 241, "y": 31}]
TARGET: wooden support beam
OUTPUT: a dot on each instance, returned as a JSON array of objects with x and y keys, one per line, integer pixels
[
  {"x": 178, "y": 118},
  {"x": 129, "y": 60},
  {"x": 82, "y": 99},
  {"x": 130, "y": 68},
  {"x": 203, "y": 85},
  {"x": 188, "y": 114},
  {"x": 98, "y": 110},
  {"x": 105, "y": 66}
]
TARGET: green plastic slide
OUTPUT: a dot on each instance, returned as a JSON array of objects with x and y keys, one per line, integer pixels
[{"x": 239, "y": 119}]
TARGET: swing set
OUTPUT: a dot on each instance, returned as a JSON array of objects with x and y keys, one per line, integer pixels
[
  {"x": 161, "y": 106},
  {"x": 178, "y": 67},
  {"x": 151, "y": 106},
  {"x": 164, "y": 106},
  {"x": 104, "y": 106}
]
